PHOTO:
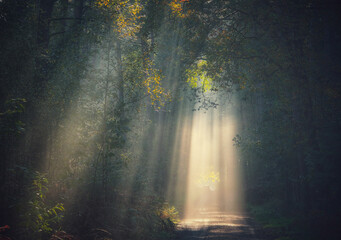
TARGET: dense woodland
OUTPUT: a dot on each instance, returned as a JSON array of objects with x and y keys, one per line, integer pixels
[{"x": 90, "y": 95}]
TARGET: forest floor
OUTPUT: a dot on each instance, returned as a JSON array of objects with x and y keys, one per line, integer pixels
[{"x": 217, "y": 225}]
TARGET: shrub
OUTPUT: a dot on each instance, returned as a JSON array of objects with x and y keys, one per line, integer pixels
[{"x": 38, "y": 218}]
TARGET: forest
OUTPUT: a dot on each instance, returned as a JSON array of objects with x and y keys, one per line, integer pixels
[{"x": 170, "y": 119}]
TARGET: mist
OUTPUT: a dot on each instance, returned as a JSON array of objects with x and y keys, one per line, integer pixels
[{"x": 172, "y": 119}]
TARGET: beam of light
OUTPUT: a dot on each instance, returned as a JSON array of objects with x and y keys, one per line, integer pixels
[
  {"x": 206, "y": 153},
  {"x": 180, "y": 155}
]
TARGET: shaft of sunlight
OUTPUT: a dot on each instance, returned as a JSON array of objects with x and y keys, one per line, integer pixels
[{"x": 213, "y": 177}]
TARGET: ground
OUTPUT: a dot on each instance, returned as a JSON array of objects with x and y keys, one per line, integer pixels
[{"x": 217, "y": 225}]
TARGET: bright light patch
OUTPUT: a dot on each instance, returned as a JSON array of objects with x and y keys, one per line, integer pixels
[{"x": 210, "y": 164}]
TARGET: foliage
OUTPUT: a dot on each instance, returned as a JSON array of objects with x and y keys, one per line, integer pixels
[
  {"x": 158, "y": 95},
  {"x": 209, "y": 179},
  {"x": 198, "y": 77},
  {"x": 128, "y": 21},
  {"x": 126, "y": 16},
  {"x": 167, "y": 212},
  {"x": 39, "y": 218},
  {"x": 177, "y": 7},
  {"x": 9, "y": 120}
]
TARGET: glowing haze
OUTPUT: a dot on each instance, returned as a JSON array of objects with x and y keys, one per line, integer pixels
[{"x": 208, "y": 177}]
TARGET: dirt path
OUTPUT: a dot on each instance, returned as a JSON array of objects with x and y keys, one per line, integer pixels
[{"x": 217, "y": 225}]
